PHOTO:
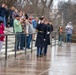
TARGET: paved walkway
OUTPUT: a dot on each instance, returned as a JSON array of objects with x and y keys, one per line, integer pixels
[{"x": 59, "y": 61}]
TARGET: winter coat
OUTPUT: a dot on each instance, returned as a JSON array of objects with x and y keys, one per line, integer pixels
[
  {"x": 11, "y": 14},
  {"x": 51, "y": 27},
  {"x": 69, "y": 29},
  {"x": 2, "y": 11},
  {"x": 1, "y": 31},
  {"x": 40, "y": 35},
  {"x": 47, "y": 37}
]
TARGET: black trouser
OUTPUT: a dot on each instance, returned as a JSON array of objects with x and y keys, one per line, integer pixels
[{"x": 45, "y": 50}]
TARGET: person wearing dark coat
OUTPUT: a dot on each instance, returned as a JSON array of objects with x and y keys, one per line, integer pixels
[
  {"x": 11, "y": 16},
  {"x": 3, "y": 13},
  {"x": 51, "y": 26},
  {"x": 7, "y": 15},
  {"x": 25, "y": 14},
  {"x": 40, "y": 37},
  {"x": 47, "y": 37}
]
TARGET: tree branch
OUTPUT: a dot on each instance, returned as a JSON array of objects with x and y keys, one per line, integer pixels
[{"x": 50, "y": 3}]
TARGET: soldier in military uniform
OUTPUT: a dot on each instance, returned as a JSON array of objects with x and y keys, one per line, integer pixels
[
  {"x": 47, "y": 36},
  {"x": 41, "y": 29}
]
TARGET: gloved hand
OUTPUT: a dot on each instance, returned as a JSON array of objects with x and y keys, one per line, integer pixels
[
  {"x": 48, "y": 32},
  {"x": 44, "y": 39}
]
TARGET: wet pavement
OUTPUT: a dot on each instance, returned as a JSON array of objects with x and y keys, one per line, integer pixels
[{"x": 59, "y": 61}]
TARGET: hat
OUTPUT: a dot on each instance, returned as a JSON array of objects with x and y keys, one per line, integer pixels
[
  {"x": 30, "y": 18},
  {"x": 41, "y": 18}
]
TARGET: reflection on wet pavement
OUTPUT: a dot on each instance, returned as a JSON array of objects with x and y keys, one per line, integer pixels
[{"x": 59, "y": 61}]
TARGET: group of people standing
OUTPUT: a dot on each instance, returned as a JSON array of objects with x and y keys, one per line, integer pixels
[
  {"x": 24, "y": 26},
  {"x": 68, "y": 33},
  {"x": 24, "y": 29},
  {"x": 3, "y": 13},
  {"x": 8, "y": 14}
]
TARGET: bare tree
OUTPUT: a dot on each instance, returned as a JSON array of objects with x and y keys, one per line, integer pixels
[
  {"x": 8, "y": 2},
  {"x": 69, "y": 11},
  {"x": 38, "y": 7}
]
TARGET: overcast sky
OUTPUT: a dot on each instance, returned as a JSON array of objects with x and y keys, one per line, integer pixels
[
  {"x": 59, "y": 0},
  {"x": 56, "y": 2}
]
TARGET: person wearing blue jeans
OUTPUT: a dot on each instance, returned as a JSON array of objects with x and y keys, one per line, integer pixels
[
  {"x": 41, "y": 29},
  {"x": 3, "y": 14},
  {"x": 69, "y": 29},
  {"x": 18, "y": 31},
  {"x": 60, "y": 35},
  {"x": 39, "y": 51}
]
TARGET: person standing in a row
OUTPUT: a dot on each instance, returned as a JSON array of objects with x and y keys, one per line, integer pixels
[
  {"x": 69, "y": 30},
  {"x": 34, "y": 22},
  {"x": 11, "y": 11},
  {"x": 3, "y": 13},
  {"x": 1, "y": 32},
  {"x": 60, "y": 34},
  {"x": 49, "y": 29},
  {"x": 7, "y": 15},
  {"x": 18, "y": 31},
  {"x": 29, "y": 32}
]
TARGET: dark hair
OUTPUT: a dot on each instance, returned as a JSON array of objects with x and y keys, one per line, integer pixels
[
  {"x": 17, "y": 16},
  {"x": 1, "y": 21},
  {"x": 41, "y": 18}
]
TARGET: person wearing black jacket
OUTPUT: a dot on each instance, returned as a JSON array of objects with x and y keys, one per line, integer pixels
[
  {"x": 25, "y": 14},
  {"x": 11, "y": 11},
  {"x": 40, "y": 37},
  {"x": 7, "y": 15},
  {"x": 3, "y": 13},
  {"x": 47, "y": 37},
  {"x": 51, "y": 25}
]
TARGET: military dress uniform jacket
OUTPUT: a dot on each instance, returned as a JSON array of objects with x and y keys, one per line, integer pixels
[
  {"x": 41, "y": 29},
  {"x": 47, "y": 37}
]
